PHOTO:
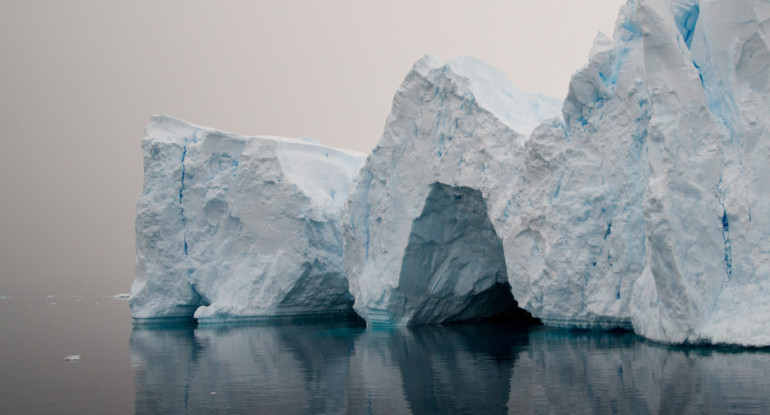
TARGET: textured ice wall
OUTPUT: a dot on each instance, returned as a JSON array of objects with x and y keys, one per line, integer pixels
[
  {"x": 725, "y": 289},
  {"x": 422, "y": 240},
  {"x": 239, "y": 227},
  {"x": 647, "y": 207},
  {"x": 643, "y": 207}
]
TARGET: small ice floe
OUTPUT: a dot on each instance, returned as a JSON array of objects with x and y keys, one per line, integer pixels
[
  {"x": 122, "y": 296},
  {"x": 73, "y": 358}
]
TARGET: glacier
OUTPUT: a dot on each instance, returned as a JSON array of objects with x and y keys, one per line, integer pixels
[
  {"x": 638, "y": 202},
  {"x": 237, "y": 228}
]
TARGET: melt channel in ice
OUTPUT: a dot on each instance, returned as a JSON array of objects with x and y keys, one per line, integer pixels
[{"x": 231, "y": 227}]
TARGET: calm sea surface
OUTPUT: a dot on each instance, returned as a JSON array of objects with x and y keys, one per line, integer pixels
[{"x": 338, "y": 368}]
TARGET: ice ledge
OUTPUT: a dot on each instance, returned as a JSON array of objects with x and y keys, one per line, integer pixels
[
  {"x": 289, "y": 318},
  {"x": 165, "y": 128},
  {"x": 601, "y": 323}
]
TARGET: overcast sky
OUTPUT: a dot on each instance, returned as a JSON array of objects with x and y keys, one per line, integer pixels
[{"x": 80, "y": 79}]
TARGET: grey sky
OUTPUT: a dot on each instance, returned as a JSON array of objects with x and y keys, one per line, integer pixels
[{"x": 80, "y": 79}]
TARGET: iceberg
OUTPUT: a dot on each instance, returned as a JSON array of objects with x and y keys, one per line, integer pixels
[
  {"x": 424, "y": 221},
  {"x": 233, "y": 228},
  {"x": 639, "y": 202},
  {"x": 649, "y": 210},
  {"x": 642, "y": 207}
]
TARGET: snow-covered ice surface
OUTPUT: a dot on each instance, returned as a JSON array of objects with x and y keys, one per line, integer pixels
[
  {"x": 643, "y": 207},
  {"x": 231, "y": 227},
  {"x": 422, "y": 228}
]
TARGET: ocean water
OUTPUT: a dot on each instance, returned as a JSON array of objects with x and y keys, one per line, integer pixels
[{"x": 343, "y": 367}]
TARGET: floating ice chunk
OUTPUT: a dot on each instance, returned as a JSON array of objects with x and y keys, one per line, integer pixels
[{"x": 232, "y": 227}]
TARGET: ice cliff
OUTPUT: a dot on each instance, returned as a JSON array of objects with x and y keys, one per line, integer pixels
[
  {"x": 640, "y": 202},
  {"x": 642, "y": 207},
  {"x": 232, "y": 227},
  {"x": 423, "y": 226},
  {"x": 647, "y": 207}
]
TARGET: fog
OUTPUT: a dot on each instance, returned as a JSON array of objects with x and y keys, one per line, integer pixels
[{"x": 80, "y": 79}]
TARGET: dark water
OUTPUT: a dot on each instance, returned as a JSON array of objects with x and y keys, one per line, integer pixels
[{"x": 338, "y": 368}]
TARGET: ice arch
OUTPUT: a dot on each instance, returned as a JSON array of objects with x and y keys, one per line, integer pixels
[
  {"x": 453, "y": 267},
  {"x": 424, "y": 228}
]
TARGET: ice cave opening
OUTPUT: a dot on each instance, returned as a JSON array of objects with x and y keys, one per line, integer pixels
[{"x": 454, "y": 266}]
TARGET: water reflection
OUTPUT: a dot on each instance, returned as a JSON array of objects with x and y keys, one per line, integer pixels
[{"x": 345, "y": 368}]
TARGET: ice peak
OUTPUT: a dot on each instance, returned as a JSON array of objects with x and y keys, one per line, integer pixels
[{"x": 490, "y": 89}]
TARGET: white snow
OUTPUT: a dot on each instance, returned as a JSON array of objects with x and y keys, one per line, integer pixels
[
  {"x": 520, "y": 111},
  {"x": 232, "y": 227}
]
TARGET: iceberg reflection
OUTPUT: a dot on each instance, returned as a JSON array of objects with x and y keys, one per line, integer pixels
[{"x": 338, "y": 368}]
